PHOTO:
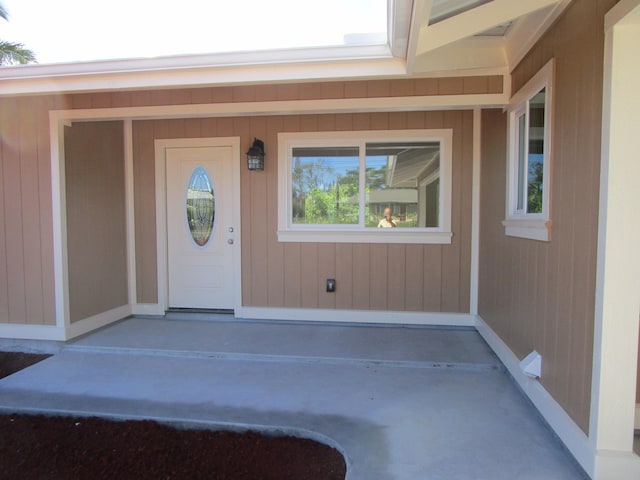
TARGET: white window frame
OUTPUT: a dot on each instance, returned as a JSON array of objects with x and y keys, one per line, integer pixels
[
  {"x": 534, "y": 226},
  {"x": 289, "y": 232}
]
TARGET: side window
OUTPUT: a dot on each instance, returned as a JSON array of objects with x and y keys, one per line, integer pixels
[
  {"x": 529, "y": 159},
  {"x": 358, "y": 186}
]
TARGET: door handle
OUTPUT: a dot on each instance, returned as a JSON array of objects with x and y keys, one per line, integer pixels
[{"x": 230, "y": 241}]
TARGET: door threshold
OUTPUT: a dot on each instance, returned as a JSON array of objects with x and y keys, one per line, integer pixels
[{"x": 210, "y": 311}]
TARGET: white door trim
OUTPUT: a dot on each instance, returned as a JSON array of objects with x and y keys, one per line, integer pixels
[{"x": 161, "y": 210}]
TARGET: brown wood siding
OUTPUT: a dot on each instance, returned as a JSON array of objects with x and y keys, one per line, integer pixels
[
  {"x": 540, "y": 295},
  {"x": 26, "y": 238},
  {"x": 490, "y": 84},
  {"x": 26, "y": 232},
  {"x": 386, "y": 277},
  {"x": 96, "y": 225}
]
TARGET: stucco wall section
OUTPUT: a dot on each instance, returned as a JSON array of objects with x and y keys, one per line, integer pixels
[{"x": 540, "y": 295}]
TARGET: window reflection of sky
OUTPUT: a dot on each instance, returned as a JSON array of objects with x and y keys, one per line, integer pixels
[
  {"x": 332, "y": 168},
  {"x": 342, "y": 165}
]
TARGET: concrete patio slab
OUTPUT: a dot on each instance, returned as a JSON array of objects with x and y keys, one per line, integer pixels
[
  {"x": 391, "y": 421},
  {"x": 230, "y": 338}
]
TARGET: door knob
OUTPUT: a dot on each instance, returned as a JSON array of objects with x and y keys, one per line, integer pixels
[{"x": 230, "y": 241}]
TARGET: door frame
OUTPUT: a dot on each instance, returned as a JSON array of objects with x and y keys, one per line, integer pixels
[{"x": 161, "y": 210}]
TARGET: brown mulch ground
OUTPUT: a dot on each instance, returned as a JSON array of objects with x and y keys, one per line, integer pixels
[
  {"x": 42, "y": 448},
  {"x": 11, "y": 362}
]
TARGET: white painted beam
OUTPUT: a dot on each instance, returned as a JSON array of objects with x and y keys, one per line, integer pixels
[
  {"x": 475, "y": 21},
  {"x": 468, "y": 54},
  {"x": 524, "y": 33},
  {"x": 420, "y": 18}
]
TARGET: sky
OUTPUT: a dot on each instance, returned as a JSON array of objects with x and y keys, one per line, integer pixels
[{"x": 81, "y": 30}]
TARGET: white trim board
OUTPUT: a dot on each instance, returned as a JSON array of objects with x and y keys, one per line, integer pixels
[
  {"x": 357, "y": 316},
  {"x": 598, "y": 464},
  {"x": 151, "y": 309},
  {"x": 571, "y": 435},
  {"x": 474, "y": 273},
  {"x": 32, "y": 332},
  {"x": 94, "y": 322},
  {"x": 59, "y": 219},
  {"x": 130, "y": 211}
]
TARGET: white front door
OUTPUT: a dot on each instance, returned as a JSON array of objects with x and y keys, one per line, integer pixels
[{"x": 201, "y": 228}]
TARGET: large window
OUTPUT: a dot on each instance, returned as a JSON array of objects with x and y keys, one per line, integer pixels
[
  {"x": 365, "y": 186},
  {"x": 529, "y": 163}
]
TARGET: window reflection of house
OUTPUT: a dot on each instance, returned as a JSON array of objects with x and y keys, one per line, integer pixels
[{"x": 411, "y": 173}]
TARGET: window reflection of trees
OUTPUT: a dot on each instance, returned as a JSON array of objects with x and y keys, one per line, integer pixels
[
  {"x": 325, "y": 189},
  {"x": 401, "y": 176}
]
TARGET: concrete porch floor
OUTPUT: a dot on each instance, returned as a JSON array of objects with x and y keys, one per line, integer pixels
[{"x": 399, "y": 402}]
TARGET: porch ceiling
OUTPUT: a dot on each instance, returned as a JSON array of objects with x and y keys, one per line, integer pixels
[{"x": 425, "y": 38}]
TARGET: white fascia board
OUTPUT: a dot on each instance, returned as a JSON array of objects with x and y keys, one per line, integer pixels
[
  {"x": 178, "y": 72},
  {"x": 219, "y": 60},
  {"x": 525, "y": 32},
  {"x": 400, "y": 24}
]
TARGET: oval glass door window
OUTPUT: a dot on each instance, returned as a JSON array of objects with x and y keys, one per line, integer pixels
[{"x": 201, "y": 206}]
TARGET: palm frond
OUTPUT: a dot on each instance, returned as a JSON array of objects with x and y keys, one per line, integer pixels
[
  {"x": 3, "y": 12},
  {"x": 15, "y": 54}
]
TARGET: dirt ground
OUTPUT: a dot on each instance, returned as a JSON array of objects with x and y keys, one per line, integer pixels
[
  {"x": 11, "y": 362},
  {"x": 38, "y": 447}
]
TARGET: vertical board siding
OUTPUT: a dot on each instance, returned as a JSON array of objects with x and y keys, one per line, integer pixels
[
  {"x": 540, "y": 295},
  {"x": 145, "y": 201},
  {"x": 30, "y": 203},
  {"x": 15, "y": 216},
  {"x": 26, "y": 229},
  {"x": 96, "y": 225},
  {"x": 274, "y": 274},
  {"x": 45, "y": 207}
]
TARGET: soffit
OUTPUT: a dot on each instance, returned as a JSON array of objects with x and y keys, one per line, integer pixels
[{"x": 463, "y": 35}]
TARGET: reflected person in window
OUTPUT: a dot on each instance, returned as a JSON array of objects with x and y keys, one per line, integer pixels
[{"x": 387, "y": 221}]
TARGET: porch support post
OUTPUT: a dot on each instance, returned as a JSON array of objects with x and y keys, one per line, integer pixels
[
  {"x": 475, "y": 213},
  {"x": 617, "y": 304}
]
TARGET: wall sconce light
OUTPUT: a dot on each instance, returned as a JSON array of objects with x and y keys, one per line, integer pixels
[{"x": 255, "y": 155}]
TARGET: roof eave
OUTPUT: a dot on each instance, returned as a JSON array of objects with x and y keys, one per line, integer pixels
[{"x": 194, "y": 70}]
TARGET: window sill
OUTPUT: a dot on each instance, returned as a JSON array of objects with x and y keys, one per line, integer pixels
[
  {"x": 526, "y": 228},
  {"x": 373, "y": 235}
]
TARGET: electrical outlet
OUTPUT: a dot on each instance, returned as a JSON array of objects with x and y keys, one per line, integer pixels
[{"x": 331, "y": 285}]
